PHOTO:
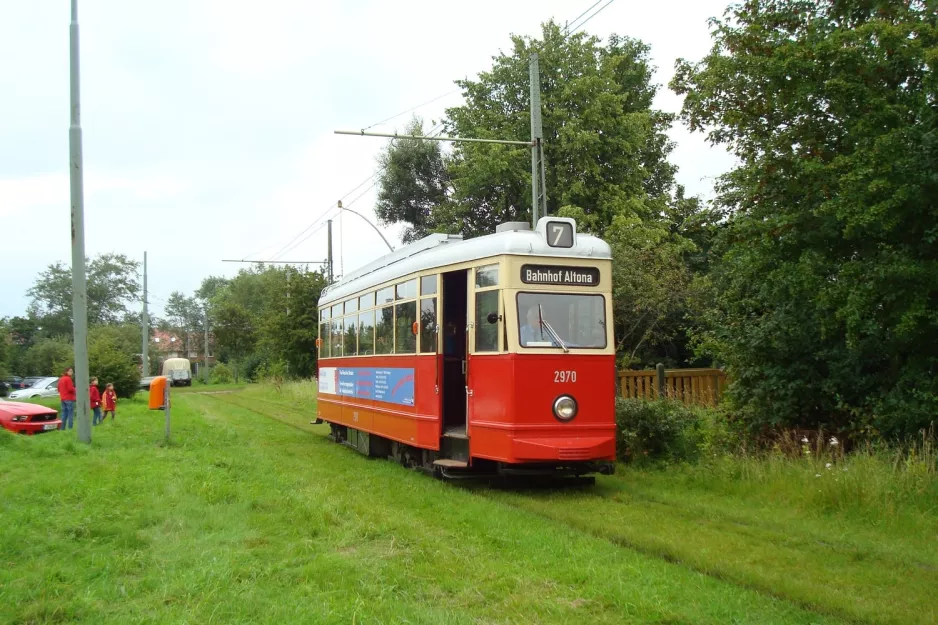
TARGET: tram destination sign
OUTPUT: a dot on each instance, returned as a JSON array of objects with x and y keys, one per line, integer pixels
[{"x": 564, "y": 276}]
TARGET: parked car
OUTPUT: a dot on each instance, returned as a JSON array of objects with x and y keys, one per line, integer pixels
[
  {"x": 24, "y": 418},
  {"x": 45, "y": 387},
  {"x": 30, "y": 380},
  {"x": 145, "y": 382},
  {"x": 15, "y": 382},
  {"x": 4, "y": 388}
]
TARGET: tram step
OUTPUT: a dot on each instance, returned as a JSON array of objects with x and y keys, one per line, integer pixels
[
  {"x": 451, "y": 464},
  {"x": 456, "y": 432}
]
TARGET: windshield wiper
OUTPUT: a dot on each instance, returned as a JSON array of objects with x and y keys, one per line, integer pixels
[{"x": 550, "y": 329}]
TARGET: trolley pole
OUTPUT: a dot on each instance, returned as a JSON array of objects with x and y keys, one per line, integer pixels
[
  {"x": 538, "y": 182},
  {"x": 79, "y": 292},
  {"x": 145, "y": 326},
  {"x": 329, "y": 249}
]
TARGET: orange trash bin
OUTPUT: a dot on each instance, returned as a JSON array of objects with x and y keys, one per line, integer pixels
[{"x": 157, "y": 392}]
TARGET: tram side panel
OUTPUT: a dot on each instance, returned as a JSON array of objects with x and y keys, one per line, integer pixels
[{"x": 391, "y": 397}]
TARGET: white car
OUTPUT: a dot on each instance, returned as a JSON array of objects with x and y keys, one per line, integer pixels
[{"x": 44, "y": 387}]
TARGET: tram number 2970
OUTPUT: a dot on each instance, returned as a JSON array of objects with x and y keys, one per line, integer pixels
[{"x": 564, "y": 376}]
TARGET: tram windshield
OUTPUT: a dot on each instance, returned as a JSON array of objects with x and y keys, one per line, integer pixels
[{"x": 562, "y": 320}]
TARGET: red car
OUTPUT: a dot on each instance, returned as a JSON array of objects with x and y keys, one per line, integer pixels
[{"x": 24, "y": 418}]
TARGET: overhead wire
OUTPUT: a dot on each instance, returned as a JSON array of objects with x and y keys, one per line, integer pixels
[
  {"x": 598, "y": 11},
  {"x": 570, "y": 24},
  {"x": 279, "y": 253},
  {"x": 335, "y": 210},
  {"x": 440, "y": 97}
]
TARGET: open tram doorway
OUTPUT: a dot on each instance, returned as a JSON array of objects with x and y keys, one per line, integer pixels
[{"x": 455, "y": 301}]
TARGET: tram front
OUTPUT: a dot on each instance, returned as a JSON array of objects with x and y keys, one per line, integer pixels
[{"x": 551, "y": 405}]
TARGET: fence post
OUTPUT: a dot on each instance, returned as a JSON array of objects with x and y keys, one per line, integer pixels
[{"x": 659, "y": 369}]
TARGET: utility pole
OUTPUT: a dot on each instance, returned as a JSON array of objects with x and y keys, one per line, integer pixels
[
  {"x": 329, "y": 249},
  {"x": 538, "y": 183},
  {"x": 79, "y": 292},
  {"x": 206, "y": 345},
  {"x": 145, "y": 325}
]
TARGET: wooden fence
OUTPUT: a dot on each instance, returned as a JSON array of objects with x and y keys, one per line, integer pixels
[{"x": 701, "y": 387}]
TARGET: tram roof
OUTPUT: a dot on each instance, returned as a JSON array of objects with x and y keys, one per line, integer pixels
[{"x": 440, "y": 250}]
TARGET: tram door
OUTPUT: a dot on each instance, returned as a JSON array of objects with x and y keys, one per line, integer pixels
[{"x": 455, "y": 299}]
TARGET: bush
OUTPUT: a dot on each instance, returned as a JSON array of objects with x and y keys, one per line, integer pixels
[
  {"x": 274, "y": 374},
  {"x": 669, "y": 430},
  {"x": 111, "y": 365},
  {"x": 49, "y": 357},
  {"x": 221, "y": 374}
]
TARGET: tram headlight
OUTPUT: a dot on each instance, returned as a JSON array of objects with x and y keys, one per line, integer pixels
[{"x": 565, "y": 408}]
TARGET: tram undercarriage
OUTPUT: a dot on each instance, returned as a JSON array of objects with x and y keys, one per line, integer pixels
[{"x": 452, "y": 461}]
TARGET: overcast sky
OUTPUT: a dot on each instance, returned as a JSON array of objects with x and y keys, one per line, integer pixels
[{"x": 208, "y": 125}]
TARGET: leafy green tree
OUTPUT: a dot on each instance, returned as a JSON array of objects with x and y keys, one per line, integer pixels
[
  {"x": 112, "y": 285},
  {"x": 413, "y": 183},
  {"x": 235, "y": 332},
  {"x": 111, "y": 363},
  {"x": 48, "y": 357},
  {"x": 826, "y": 275},
  {"x": 606, "y": 148},
  {"x": 290, "y": 328}
]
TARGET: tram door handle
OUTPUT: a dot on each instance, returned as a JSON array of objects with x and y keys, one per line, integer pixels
[
  {"x": 468, "y": 392},
  {"x": 464, "y": 367}
]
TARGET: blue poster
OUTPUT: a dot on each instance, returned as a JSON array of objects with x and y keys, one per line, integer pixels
[{"x": 395, "y": 386}]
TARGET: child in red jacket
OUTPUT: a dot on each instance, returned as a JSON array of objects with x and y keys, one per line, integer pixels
[
  {"x": 110, "y": 401},
  {"x": 95, "y": 395}
]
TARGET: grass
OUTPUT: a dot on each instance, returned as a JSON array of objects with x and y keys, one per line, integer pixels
[{"x": 250, "y": 515}]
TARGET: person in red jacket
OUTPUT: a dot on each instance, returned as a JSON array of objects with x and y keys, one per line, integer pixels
[
  {"x": 110, "y": 401},
  {"x": 67, "y": 397},
  {"x": 95, "y": 395}
]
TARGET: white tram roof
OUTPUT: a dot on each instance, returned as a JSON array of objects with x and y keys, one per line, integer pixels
[{"x": 440, "y": 250}]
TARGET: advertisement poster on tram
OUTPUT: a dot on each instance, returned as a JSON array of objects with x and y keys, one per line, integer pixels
[{"x": 391, "y": 385}]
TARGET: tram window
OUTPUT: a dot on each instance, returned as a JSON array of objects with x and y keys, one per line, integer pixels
[
  {"x": 384, "y": 330},
  {"x": 366, "y": 333},
  {"x": 405, "y": 316},
  {"x": 578, "y": 320},
  {"x": 428, "y": 325},
  {"x": 324, "y": 314},
  {"x": 386, "y": 295},
  {"x": 351, "y": 306},
  {"x": 428, "y": 285},
  {"x": 325, "y": 343},
  {"x": 487, "y": 276},
  {"x": 350, "y": 347},
  {"x": 337, "y": 311},
  {"x": 366, "y": 301},
  {"x": 407, "y": 290},
  {"x": 338, "y": 330},
  {"x": 486, "y": 332}
]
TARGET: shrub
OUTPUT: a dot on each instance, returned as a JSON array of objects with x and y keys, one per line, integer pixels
[
  {"x": 221, "y": 374},
  {"x": 49, "y": 357},
  {"x": 274, "y": 373},
  {"x": 669, "y": 430},
  {"x": 111, "y": 365}
]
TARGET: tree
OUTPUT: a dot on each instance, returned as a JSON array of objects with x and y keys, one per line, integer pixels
[
  {"x": 413, "y": 183},
  {"x": 111, "y": 286},
  {"x": 289, "y": 331},
  {"x": 111, "y": 363},
  {"x": 606, "y": 149},
  {"x": 48, "y": 357},
  {"x": 235, "y": 332},
  {"x": 826, "y": 275}
]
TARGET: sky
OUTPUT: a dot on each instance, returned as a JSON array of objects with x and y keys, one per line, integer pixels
[{"x": 208, "y": 126}]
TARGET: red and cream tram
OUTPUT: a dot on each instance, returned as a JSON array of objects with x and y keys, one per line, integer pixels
[{"x": 492, "y": 354}]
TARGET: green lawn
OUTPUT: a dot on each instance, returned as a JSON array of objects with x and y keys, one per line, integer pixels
[{"x": 251, "y": 515}]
